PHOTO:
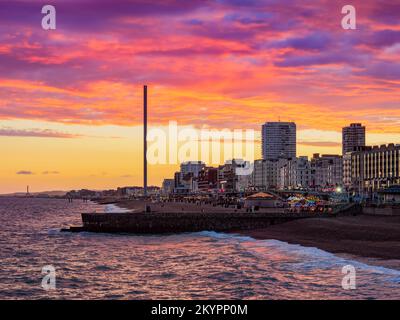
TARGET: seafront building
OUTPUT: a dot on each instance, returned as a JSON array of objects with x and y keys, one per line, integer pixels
[
  {"x": 327, "y": 171},
  {"x": 186, "y": 180},
  {"x": 185, "y": 183},
  {"x": 208, "y": 179},
  {"x": 266, "y": 173},
  {"x": 321, "y": 173},
  {"x": 353, "y": 137},
  {"x": 295, "y": 173},
  {"x": 278, "y": 146},
  {"x": 193, "y": 167},
  {"x": 167, "y": 187},
  {"x": 361, "y": 170},
  {"x": 369, "y": 169},
  {"x": 232, "y": 176},
  {"x": 196, "y": 177},
  {"x": 278, "y": 140}
]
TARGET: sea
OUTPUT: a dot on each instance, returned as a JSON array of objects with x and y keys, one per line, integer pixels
[{"x": 201, "y": 265}]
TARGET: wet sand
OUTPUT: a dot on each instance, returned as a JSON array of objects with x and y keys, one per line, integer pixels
[{"x": 370, "y": 239}]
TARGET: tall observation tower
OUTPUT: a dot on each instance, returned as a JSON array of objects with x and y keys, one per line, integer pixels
[{"x": 145, "y": 140}]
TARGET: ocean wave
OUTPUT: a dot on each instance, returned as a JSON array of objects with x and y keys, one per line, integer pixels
[
  {"x": 112, "y": 208},
  {"x": 313, "y": 257},
  {"x": 53, "y": 231},
  {"x": 202, "y": 265}
]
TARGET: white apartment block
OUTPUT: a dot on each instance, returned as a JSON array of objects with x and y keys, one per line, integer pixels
[
  {"x": 266, "y": 173},
  {"x": 295, "y": 173},
  {"x": 278, "y": 140},
  {"x": 327, "y": 171}
]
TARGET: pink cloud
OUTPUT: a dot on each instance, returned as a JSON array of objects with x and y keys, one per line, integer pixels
[{"x": 244, "y": 62}]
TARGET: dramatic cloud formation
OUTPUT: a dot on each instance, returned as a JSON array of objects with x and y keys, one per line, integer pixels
[{"x": 238, "y": 60}]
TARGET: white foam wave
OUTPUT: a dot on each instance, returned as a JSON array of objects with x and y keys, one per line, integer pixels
[
  {"x": 53, "y": 231},
  {"x": 112, "y": 208},
  {"x": 313, "y": 257}
]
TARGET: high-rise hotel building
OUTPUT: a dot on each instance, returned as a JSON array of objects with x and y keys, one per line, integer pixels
[
  {"x": 353, "y": 137},
  {"x": 278, "y": 140}
]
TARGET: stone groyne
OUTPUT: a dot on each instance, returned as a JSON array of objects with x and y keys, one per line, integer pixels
[
  {"x": 179, "y": 222},
  {"x": 158, "y": 222}
]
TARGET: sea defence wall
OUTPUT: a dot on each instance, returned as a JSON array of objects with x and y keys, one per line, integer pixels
[
  {"x": 156, "y": 222},
  {"x": 179, "y": 222}
]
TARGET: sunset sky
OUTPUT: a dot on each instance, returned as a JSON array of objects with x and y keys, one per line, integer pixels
[{"x": 71, "y": 98}]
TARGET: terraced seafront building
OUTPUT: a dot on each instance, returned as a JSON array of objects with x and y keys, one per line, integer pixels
[{"x": 369, "y": 169}]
